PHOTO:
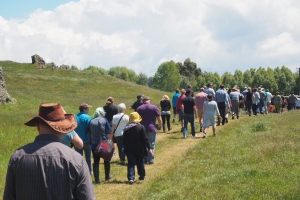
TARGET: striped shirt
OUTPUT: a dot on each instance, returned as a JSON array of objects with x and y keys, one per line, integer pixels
[{"x": 47, "y": 169}]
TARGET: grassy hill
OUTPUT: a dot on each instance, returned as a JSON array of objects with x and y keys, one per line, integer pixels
[{"x": 251, "y": 158}]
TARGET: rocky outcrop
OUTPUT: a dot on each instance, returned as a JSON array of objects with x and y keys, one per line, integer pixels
[
  {"x": 65, "y": 67},
  {"x": 36, "y": 59},
  {"x": 52, "y": 65},
  {"x": 4, "y": 96}
]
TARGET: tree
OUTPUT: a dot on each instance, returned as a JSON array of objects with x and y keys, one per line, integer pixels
[
  {"x": 239, "y": 78},
  {"x": 228, "y": 80},
  {"x": 142, "y": 79},
  {"x": 150, "y": 82},
  {"x": 123, "y": 73},
  {"x": 95, "y": 69},
  {"x": 167, "y": 77},
  {"x": 190, "y": 68},
  {"x": 247, "y": 78}
]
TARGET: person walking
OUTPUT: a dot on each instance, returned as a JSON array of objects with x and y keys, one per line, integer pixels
[
  {"x": 262, "y": 97},
  {"x": 269, "y": 99},
  {"x": 255, "y": 101},
  {"x": 100, "y": 129},
  {"x": 292, "y": 101},
  {"x": 189, "y": 113},
  {"x": 235, "y": 105},
  {"x": 46, "y": 168},
  {"x": 83, "y": 120},
  {"x": 137, "y": 103},
  {"x": 137, "y": 145},
  {"x": 221, "y": 100},
  {"x": 249, "y": 103},
  {"x": 210, "y": 90},
  {"x": 174, "y": 102},
  {"x": 210, "y": 109},
  {"x": 179, "y": 108},
  {"x": 165, "y": 105},
  {"x": 119, "y": 122},
  {"x": 150, "y": 114},
  {"x": 278, "y": 102},
  {"x": 199, "y": 101}
]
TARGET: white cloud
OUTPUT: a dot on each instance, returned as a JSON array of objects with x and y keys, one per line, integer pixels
[{"x": 217, "y": 35}]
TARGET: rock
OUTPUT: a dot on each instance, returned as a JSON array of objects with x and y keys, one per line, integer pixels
[
  {"x": 36, "y": 59},
  {"x": 65, "y": 67},
  {"x": 52, "y": 65},
  {"x": 4, "y": 96}
]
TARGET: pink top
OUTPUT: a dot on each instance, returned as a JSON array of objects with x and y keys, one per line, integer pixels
[{"x": 199, "y": 100}]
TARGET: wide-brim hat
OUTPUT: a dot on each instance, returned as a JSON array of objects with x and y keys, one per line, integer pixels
[
  {"x": 53, "y": 115},
  {"x": 235, "y": 88},
  {"x": 134, "y": 117}
]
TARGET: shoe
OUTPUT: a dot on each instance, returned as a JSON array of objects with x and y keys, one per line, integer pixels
[
  {"x": 237, "y": 116},
  {"x": 200, "y": 129},
  {"x": 214, "y": 135},
  {"x": 173, "y": 120},
  {"x": 130, "y": 182},
  {"x": 170, "y": 129},
  {"x": 232, "y": 117},
  {"x": 204, "y": 135},
  {"x": 150, "y": 163},
  {"x": 182, "y": 129},
  {"x": 109, "y": 177},
  {"x": 142, "y": 178},
  {"x": 123, "y": 162},
  {"x": 226, "y": 119},
  {"x": 195, "y": 136}
]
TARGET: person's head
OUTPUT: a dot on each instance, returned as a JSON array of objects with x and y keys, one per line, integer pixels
[
  {"x": 177, "y": 90},
  {"x": 209, "y": 85},
  {"x": 182, "y": 91},
  {"x": 277, "y": 93},
  {"x": 254, "y": 89},
  {"x": 84, "y": 107},
  {"x": 222, "y": 86},
  {"x": 292, "y": 92},
  {"x": 146, "y": 99},
  {"x": 189, "y": 87},
  {"x": 109, "y": 101},
  {"x": 259, "y": 88},
  {"x": 121, "y": 107},
  {"x": 134, "y": 117},
  {"x": 209, "y": 97},
  {"x": 267, "y": 90},
  {"x": 202, "y": 89},
  {"x": 249, "y": 89},
  {"x": 188, "y": 92},
  {"x": 165, "y": 97},
  {"x": 52, "y": 116},
  {"x": 139, "y": 97},
  {"x": 245, "y": 88},
  {"x": 99, "y": 112},
  {"x": 235, "y": 88}
]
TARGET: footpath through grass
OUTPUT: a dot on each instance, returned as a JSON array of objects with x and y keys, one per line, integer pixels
[{"x": 244, "y": 161}]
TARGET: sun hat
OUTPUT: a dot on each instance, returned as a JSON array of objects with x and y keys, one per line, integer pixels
[
  {"x": 235, "y": 88},
  {"x": 53, "y": 115},
  {"x": 134, "y": 117}
]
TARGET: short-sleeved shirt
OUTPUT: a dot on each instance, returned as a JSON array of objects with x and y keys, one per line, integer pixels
[
  {"x": 83, "y": 121},
  {"x": 136, "y": 104},
  {"x": 179, "y": 102},
  {"x": 188, "y": 105},
  {"x": 174, "y": 99},
  {"x": 123, "y": 122},
  {"x": 67, "y": 138},
  {"x": 200, "y": 98},
  {"x": 48, "y": 169},
  {"x": 99, "y": 128},
  {"x": 210, "y": 91},
  {"x": 234, "y": 96},
  {"x": 149, "y": 113}
]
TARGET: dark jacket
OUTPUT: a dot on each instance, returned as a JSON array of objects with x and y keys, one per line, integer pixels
[{"x": 135, "y": 140}]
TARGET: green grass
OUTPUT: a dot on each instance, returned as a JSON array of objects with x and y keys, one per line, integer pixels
[{"x": 251, "y": 158}]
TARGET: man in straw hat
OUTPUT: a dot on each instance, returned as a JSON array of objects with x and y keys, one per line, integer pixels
[{"x": 46, "y": 168}]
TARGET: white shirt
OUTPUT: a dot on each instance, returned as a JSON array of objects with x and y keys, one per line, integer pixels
[
  {"x": 269, "y": 97},
  {"x": 124, "y": 121}
]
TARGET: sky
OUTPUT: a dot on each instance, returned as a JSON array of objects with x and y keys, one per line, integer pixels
[{"x": 219, "y": 36}]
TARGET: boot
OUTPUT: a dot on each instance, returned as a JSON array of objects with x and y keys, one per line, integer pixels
[
  {"x": 164, "y": 128},
  {"x": 169, "y": 127},
  {"x": 96, "y": 173},
  {"x": 107, "y": 171}
]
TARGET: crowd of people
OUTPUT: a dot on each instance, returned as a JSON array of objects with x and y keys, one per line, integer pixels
[{"x": 56, "y": 171}]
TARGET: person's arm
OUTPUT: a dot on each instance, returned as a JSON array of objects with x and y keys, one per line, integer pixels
[
  {"x": 159, "y": 121},
  {"x": 113, "y": 126},
  {"x": 77, "y": 141},
  {"x": 195, "y": 111}
]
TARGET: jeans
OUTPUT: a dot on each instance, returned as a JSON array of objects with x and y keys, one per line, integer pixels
[
  {"x": 261, "y": 105},
  {"x": 152, "y": 140},
  {"x": 222, "y": 108},
  {"x": 188, "y": 118},
  {"x": 133, "y": 160},
  {"x": 119, "y": 141},
  {"x": 249, "y": 107},
  {"x": 87, "y": 153}
]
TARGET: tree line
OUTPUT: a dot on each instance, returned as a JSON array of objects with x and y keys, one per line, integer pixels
[{"x": 170, "y": 76}]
